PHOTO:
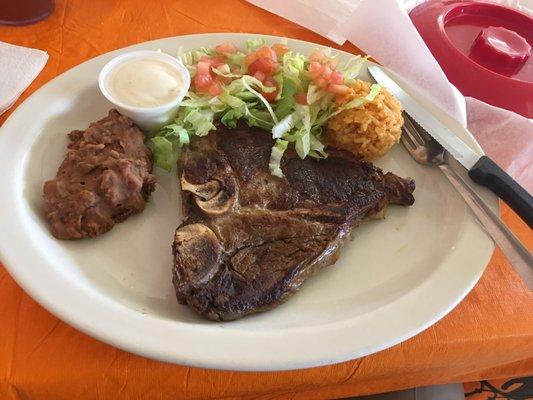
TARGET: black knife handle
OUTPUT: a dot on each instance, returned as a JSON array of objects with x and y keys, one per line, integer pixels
[{"x": 487, "y": 173}]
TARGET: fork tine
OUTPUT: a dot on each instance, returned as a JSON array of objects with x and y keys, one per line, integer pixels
[
  {"x": 409, "y": 131},
  {"x": 413, "y": 130},
  {"x": 407, "y": 140}
]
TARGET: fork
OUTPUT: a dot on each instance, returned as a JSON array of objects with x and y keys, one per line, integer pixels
[{"x": 427, "y": 151}]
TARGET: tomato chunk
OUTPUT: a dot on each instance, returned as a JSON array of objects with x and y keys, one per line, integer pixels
[
  {"x": 321, "y": 83},
  {"x": 263, "y": 52},
  {"x": 215, "y": 89},
  {"x": 226, "y": 47},
  {"x": 270, "y": 82},
  {"x": 202, "y": 82},
  {"x": 267, "y": 52},
  {"x": 338, "y": 89},
  {"x": 260, "y": 75},
  {"x": 268, "y": 66},
  {"x": 203, "y": 67},
  {"x": 315, "y": 69},
  {"x": 270, "y": 96},
  {"x": 280, "y": 49},
  {"x": 301, "y": 98},
  {"x": 326, "y": 72},
  {"x": 336, "y": 78}
]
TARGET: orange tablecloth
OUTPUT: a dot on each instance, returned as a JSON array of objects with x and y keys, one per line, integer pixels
[{"x": 489, "y": 335}]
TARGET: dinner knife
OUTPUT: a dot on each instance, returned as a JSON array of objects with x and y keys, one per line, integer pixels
[{"x": 481, "y": 169}]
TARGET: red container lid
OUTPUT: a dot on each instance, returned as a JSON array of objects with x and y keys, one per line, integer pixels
[{"x": 483, "y": 48}]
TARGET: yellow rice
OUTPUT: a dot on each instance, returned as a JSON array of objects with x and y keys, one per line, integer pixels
[{"x": 369, "y": 131}]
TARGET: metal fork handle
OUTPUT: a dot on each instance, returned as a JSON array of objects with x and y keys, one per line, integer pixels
[{"x": 516, "y": 252}]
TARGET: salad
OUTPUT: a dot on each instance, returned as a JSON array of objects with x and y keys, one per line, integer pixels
[{"x": 284, "y": 92}]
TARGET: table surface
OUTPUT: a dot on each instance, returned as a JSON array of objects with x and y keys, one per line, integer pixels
[{"x": 488, "y": 335}]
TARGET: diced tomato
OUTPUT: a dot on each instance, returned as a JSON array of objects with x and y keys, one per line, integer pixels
[
  {"x": 266, "y": 65},
  {"x": 338, "y": 89},
  {"x": 326, "y": 72},
  {"x": 321, "y": 83},
  {"x": 270, "y": 82},
  {"x": 215, "y": 64},
  {"x": 202, "y": 82},
  {"x": 270, "y": 96},
  {"x": 280, "y": 49},
  {"x": 315, "y": 69},
  {"x": 215, "y": 89},
  {"x": 260, "y": 75},
  {"x": 217, "y": 61},
  {"x": 203, "y": 68},
  {"x": 336, "y": 78},
  {"x": 301, "y": 98},
  {"x": 250, "y": 58},
  {"x": 263, "y": 52},
  {"x": 267, "y": 52},
  {"x": 226, "y": 47}
]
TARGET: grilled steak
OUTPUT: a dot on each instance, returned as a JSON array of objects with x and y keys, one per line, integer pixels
[
  {"x": 250, "y": 239},
  {"x": 104, "y": 178}
]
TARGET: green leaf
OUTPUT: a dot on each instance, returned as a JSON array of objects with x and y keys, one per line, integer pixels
[
  {"x": 225, "y": 72},
  {"x": 163, "y": 152},
  {"x": 285, "y": 104},
  {"x": 236, "y": 59},
  {"x": 275, "y": 157},
  {"x": 231, "y": 117},
  {"x": 247, "y": 81},
  {"x": 201, "y": 121},
  {"x": 303, "y": 145},
  {"x": 254, "y": 44}
]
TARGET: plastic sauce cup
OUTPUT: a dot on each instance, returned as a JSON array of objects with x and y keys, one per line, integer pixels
[{"x": 147, "y": 118}]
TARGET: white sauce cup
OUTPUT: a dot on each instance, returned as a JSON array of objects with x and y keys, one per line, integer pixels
[{"x": 147, "y": 118}]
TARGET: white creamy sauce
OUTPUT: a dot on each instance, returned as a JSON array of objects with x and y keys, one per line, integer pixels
[{"x": 144, "y": 82}]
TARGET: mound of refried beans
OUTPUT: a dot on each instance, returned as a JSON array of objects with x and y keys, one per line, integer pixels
[{"x": 104, "y": 178}]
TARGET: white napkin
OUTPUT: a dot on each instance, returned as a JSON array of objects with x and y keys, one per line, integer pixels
[
  {"x": 383, "y": 29},
  {"x": 19, "y": 66},
  {"x": 505, "y": 136}
]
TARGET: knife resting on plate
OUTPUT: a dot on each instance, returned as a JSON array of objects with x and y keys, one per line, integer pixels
[{"x": 481, "y": 169}]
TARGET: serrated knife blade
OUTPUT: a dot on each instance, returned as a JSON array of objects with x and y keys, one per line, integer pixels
[
  {"x": 481, "y": 169},
  {"x": 440, "y": 132}
]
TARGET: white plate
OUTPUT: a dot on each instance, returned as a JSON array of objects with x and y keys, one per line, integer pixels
[{"x": 396, "y": 278}]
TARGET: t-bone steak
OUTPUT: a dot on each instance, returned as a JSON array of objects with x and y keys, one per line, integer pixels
[{"x": 250, "y": 239}]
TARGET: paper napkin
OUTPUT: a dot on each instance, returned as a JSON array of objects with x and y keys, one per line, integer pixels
[{"x": 19, "y": 66}]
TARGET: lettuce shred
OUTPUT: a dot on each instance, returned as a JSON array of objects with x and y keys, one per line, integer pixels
[{"x": 243, "y": 99}]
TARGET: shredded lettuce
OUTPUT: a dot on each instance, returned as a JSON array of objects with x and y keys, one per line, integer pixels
[
  {"x": 352, "y": 68},
  {"x": 243, "y": 100},
  {"x": 360, "y": 101},
  {"x": 286, "y": 102},
  {"x": 293, "y": 66},
  {"x": 285, "y": 125},
  {"x": 225, "y": 72},
  {"x": 163, "y": 152},
  {"x": 276, "y": 155},
  {"x": 254, "y": 44},
  {"x": 247, "y": 81}
]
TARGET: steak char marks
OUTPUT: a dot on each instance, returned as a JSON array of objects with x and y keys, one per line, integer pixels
[{"x": 250, "y": 239}]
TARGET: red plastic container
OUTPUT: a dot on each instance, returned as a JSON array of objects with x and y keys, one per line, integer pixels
[{"x": 484, "y": 49}]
